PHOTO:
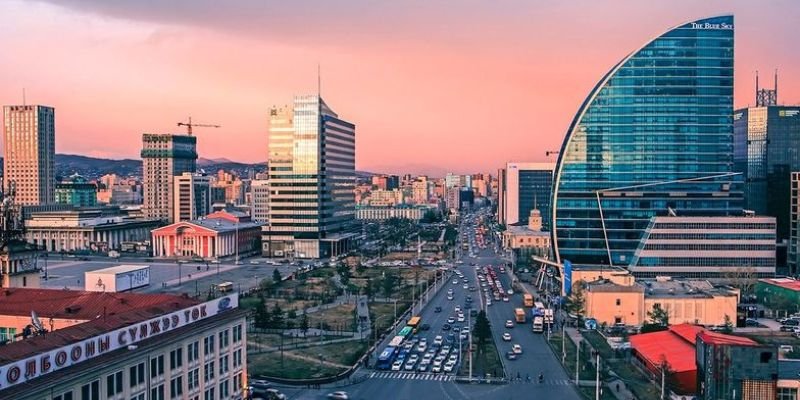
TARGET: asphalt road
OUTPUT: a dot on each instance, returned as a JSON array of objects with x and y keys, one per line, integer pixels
[{"x": 536, "y": 357}]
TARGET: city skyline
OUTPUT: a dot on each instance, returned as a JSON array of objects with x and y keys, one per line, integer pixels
[{"x": 421, "y": 63}]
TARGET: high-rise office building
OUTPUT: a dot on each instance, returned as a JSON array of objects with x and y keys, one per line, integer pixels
[
  {"x": 793, "y": 256},
  {"x": 192, "y": 198},
  {"x": 526, "y": 186},
  {"x": 77, "y": 191},
  {"x": 29, "y": 153},
  {"x": 654, "y": 135},
  {"x": 311, "y": 181},
  {"x": 766, "y": 151},
  {"x": 259, "y": 198},
  {"x": 164, "y": 156}
]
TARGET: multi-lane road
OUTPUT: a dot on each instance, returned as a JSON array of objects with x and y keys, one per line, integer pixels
[{"x": 414, "y": 385}]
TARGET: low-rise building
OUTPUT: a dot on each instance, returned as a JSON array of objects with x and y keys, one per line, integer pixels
[
  {"x": 79, "y": 345},
  {"x": 384, "y": 213},
  {"x": 89, "y": 229},
  {"x": 76, "y": 191},
  {"x": 672, "y": 349},
  {"x": 706, "y": 247},
  {"x": 733, "y": 367},
  {"x": 685, "y": 301},
  {"x": 217, "y": 235},
  {"x": 527, "y": 241},
  {"x": 778, "y": 292}
]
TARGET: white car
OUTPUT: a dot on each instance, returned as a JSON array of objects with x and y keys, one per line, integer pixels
[
  {"x": 509, "y": 323},
  {"x": 457, "y": 309},
  {"x": 465, "y": 286},
  {"x": 422, "y": 347},
  {"x": 438, "y": 340},
  {"x": 517, "y": 349},
  {"x": 507, "y": 337},
  {"x": 460, "y": 318},
  {"x": 505, "y": 299},
  {"x": 455, "y": 281},
  {"x": 397, "y": 365},
  {"x": 436, "y": 368},
  {"x": 449, "y": 367},
  {"x": 338, "y": 396},
  {"x": 510, "y": 292}
]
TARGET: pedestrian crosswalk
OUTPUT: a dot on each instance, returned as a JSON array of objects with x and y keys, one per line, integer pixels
[
  {"x": 546, "y": 382},
  {"x": 420, "y": 376}
]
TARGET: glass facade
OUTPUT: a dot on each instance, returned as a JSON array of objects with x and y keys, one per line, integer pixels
[
  {"x": 311, "y": 180},
  {"x": 655, "y": 134},
  {"x": 535, "y": 189},
  {"x": 767, "y": 149}
]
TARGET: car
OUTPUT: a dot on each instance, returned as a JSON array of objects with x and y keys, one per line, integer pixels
[
  {"x": 274, "y": 394},
  {"x": 511, "y": 355},
  {"x": 445, "y": 349},
  {"x": 397, "y": 365},
  {"x": 436, "y": 368},
  {"x": 453, "y": 358},
  {"x": 449, "y": 297},
  {"x": 423, "y": 367},
  {"x": 446, "y": 327},
  {"x": 507, "y": 337},
  {"x": 457, "y": 309},
  {"x": 259, "y": 384},
  {"x": 449, "y": 367},
  {"x": 751, "y": 322},
  {"x": 509, "y": 323},
  {"x": 451, "y": 320},
  {"x": 340, "y": 395},
  {"x": 472, "y": 288},
  {"x": 505, "y": 299},
  {"x": 438, "y": 309},
  {"x": 786, "y": 328},
  {"x": 451, "y": 337},
  {"x": 410, "y": 365},
  {"x": 461, "y": 318},
  {"x": 438, "y": 340},
  {"x": 718, "y": 328},
  {"x": 465, "y": 329},
  {"x": 424, "y": 327},
  {"x": 414, "y": 358},
  {"x": 517, "y": 349},
  {"x": 422, "y": 347},
  {"x": 466, "y": 286},
  {"x": 455, "y": 281}
]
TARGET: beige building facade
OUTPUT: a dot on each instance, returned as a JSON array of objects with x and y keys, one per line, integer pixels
[{"x": 29, "y": 153}]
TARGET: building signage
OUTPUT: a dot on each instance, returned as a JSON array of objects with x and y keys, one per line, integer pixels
[
  {"x": 708, "y": 25},
  {"x": 57, "y": 359}
]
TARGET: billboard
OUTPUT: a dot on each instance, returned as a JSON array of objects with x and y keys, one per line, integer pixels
[{"x": 567, "y": 277}]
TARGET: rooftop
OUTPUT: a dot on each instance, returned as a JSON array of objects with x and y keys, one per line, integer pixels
[
  {"x": 79, "y": 304},
  {"x": 681, "y": 287},
  {"x": 675, "y": 345},
  {"x": 119, "y": 269},
  {"x": 525, "y": 230},
  {"x": 723, "y": 339},
  {"x": 786, "y": 283}
]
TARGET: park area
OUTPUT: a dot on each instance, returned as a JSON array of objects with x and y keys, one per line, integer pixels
[{"x": 311, "y": 326}]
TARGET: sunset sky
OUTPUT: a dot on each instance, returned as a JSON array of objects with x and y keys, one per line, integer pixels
[{"x": 432, "y": 86}]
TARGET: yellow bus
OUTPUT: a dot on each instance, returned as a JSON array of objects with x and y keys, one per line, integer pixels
[
  {"x": 225, "y": 287},
  {"x": 414, "y": 322}
]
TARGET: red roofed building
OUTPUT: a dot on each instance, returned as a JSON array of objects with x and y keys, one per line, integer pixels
[
  {"x": 675, "y": 345},
  {"x": 219, "y": 234}
]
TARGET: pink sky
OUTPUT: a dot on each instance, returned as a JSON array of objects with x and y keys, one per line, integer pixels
[{"x": 431, "y": 85}]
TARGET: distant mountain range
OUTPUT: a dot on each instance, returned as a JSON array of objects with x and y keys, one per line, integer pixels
[{"x": 93, "y": 168}]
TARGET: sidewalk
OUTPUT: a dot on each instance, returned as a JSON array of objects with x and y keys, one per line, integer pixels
[{"x": 616, "y": 386}]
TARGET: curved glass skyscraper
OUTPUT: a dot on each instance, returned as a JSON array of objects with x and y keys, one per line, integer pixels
[{"x": 655, "y": 136}]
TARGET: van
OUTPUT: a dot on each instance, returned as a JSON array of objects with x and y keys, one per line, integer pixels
[{"x": 225, "y": 287}]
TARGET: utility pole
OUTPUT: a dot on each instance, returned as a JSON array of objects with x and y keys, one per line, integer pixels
[
  {"x": 469, "y": 351},
  {"x": 662, "y": 383},
  {"x": 597, "y": 378},
  {"x": 577, "y": 361},
  {"x": 563, "y": 349}
]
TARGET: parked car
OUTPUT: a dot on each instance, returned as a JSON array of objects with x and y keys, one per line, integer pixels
[{"x": 338, "y": 395}]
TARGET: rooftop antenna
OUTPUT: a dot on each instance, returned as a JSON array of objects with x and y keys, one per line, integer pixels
[
  {"x": 319, "y": 81},
  {"x": 36, "y": 323},
  {"x": 776, "y": 85}
]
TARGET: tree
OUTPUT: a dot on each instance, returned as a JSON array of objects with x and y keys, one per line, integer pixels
[
  {"x": 670, "y": 382},
  {"x": 304, "y": 323},
  {"x": 576, "y": 302},
  {"x": 276, "y": 276},
  {"x": 369, "y": 289},
  {"x": 431, "y": 217},
  {"x": 482, "y": 330},
  {"x": 728, "y": 325},
  {"x": 658, "y": 316},
  {"x": 344, "y": 273},
  {"x": 263, "y": 318},
  {"x": 277, "y": 316},
  {"x": 292, "y": 314},
  {"x": 743, "y": 278},
  {"x": 389, "y": 284}
]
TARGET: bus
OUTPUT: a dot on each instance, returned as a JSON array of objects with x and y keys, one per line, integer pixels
[
  {"x": 519, "y": 315},
  {"x": 539, "y": 306},
  {"x": 405, "y": 332},
  {"x": 397, "y": 341},
  {"x": 386, "y": 358},
  {"x": 527, "y": 299},
  {"x": 224, "y": 287},
  {"x": 414, "y": 323}
]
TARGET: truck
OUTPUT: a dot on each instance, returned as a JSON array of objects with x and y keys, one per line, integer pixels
[
  {"x": 527, "y": 299},
  {"x": 548, "y": 316},
  {"x": 538, "y": 324},
  {"x": 117, "y": 279},
  {"x": 519, "y": 315}
]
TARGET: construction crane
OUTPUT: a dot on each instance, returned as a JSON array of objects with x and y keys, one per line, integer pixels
[{"x": 189, "y": 126}]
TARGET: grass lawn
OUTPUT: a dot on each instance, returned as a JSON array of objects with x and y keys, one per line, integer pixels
[
  {"x": 274, "y": 339},
  {"x": 587, "y": 369},
  {"x": 339, "y": 317},
  {"x": 270, "y": 364},
  {"x": 346, "y": 353},
  {"x": 485, "y": 359},
  {"x": 599, "y": 343}
]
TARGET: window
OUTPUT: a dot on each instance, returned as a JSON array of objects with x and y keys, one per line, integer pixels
[
  {"x": 237, "y": 382},
  {"x": 209, "y": 394},
  {"x": 114, "y": 384},
  {"x": 208, "y": 371},
  {"x": 192, "y": 351},
  {"x": 783, "y": 393},
  {"x": 176, "y": 358},
  {"x": 176, "y": 387},
  {"x": 619, "y": 301},
  {"x": 208, "y": 345},
  {"x": 137, "y": 374},
  {"x": 224, "y": 389},
  {"x": 157, "y": 366},
  {"x": 139, "y": 396},
  {"x": 224, "y": 338},
  {"x": 237, "y": 333},
  {"x": 157, "y": 392},
  {"x": 7, "y": 334},
  {"x": 223, "y": 365},
  {"x": 193, "y": 379},
  {"x": 237, "y": 358},
  {"x": 63, "y": 396},
  {"x": 91, "y": 391}
]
